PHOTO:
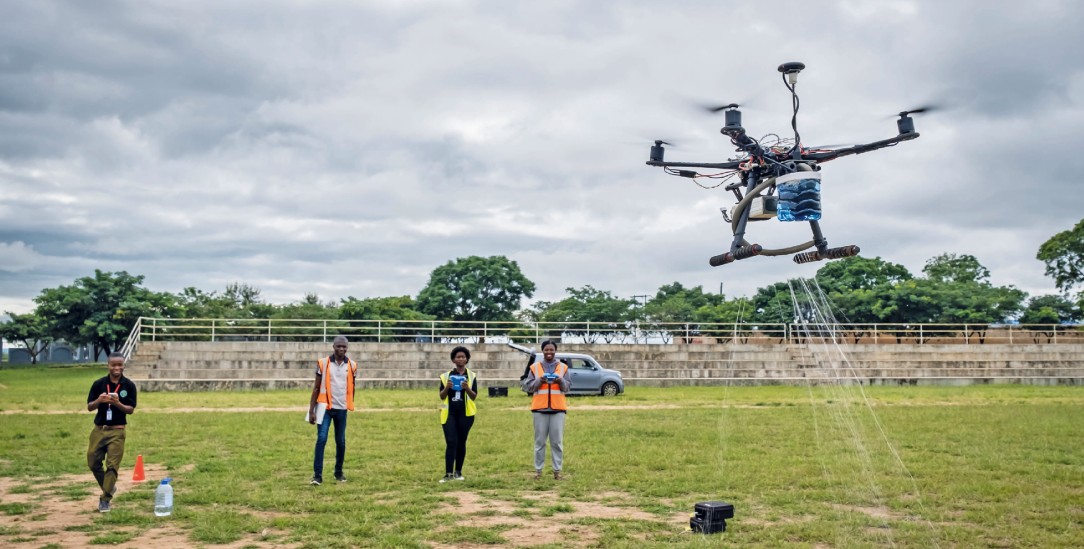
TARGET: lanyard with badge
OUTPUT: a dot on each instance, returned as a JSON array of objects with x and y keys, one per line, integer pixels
[{"x": 109, "y": 407}]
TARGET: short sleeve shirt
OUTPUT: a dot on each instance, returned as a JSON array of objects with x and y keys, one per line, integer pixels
[
  {"x": 457, "y": 403},
  {"x": 337, "y": 373},
  {"x": 125, "y": 389}
]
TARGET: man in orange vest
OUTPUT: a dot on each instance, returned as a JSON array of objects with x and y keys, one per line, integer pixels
[
  {"x": 333, "y": 394},
  {"x": 548, "y": 380}
]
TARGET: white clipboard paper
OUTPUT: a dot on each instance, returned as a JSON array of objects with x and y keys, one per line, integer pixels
[{"x": 320, "y": 409}]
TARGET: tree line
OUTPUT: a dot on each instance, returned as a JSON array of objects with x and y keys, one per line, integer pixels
[{"x": 100, "y": 310}]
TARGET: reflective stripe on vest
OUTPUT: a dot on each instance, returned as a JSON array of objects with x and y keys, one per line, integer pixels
[
  {"x": 325, "y": 394},
  {"x": 472, "y": 408},
  {"x": 549, "y": 395}
]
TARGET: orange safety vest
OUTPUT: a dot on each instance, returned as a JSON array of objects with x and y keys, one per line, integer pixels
[
  {"x": 325, "y": 394},
  {"x": 549, "y": 395}
]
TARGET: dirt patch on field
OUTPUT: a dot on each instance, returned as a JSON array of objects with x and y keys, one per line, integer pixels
[
  {"x": 63, "y": 511},
  {"x": 879, "y": 512},
  {"x": 547, "y": 519}
]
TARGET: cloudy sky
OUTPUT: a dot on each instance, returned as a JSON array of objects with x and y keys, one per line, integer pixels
[{"x": 349, "y": 148}]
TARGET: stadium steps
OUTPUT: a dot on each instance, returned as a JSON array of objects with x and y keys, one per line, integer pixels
[{"x": 162, "y": 366}]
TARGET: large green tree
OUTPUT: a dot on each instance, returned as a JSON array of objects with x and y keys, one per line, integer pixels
[
  {"x": 475, "y": 288},
  {"x": 693, "y": 307},
  {"x": 956, "y": 268},
  {"x": 777, "y": 304},
  {"x": 860, "y": 273},
  {"x": 238, "y": 301},
  {"x": 30, "y": 329},
  {"x": 856, "y": 285},
  {"x": 381, "y": 308},
  {"x": 1050, "y": 309},
  {"x": 389, "y": 314},
  {"x": 676, "y": 303},
  {"x": 956, "y": 290},
  {"x": 102, "y": 309},
  {"x": 309, "y": 308},
  {"x": 1064, "y": 257},
  {"x": 610, "y": 315}
]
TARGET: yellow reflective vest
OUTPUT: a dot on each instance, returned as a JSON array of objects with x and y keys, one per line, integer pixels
[{"x": 472, "y": 408}]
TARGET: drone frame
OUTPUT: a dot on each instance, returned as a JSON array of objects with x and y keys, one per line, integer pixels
[{"x": 760, "y": 169}]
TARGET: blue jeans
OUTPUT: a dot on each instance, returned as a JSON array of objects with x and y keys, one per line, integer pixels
[{"x": 339, "y": 417}]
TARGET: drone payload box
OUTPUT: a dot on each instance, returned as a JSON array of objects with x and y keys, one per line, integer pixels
[{"x": 761, "y": 207}]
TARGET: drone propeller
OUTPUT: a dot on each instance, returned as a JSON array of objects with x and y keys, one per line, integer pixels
[
  {"x": 922, "y": 109},
  {"x": 719, "y": 108},
  {"x": 667, "y": 143}
]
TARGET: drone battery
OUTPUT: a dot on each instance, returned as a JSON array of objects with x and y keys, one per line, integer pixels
[{"x": 763, "y": 207}]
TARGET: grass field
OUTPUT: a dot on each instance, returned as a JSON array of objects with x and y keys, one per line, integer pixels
[{"x": 986, "y": 466}]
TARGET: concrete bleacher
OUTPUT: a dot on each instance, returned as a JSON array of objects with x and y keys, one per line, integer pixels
[{"x": 188, "y": 366}]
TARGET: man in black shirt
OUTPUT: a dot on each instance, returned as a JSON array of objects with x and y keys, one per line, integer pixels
[{"x": 113, "y": 397}]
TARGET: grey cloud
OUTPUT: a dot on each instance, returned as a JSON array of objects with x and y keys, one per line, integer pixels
[{"x": 350, "y": 149}]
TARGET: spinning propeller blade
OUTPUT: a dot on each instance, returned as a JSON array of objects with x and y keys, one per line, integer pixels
[
  {"x": 922, "y": 109},
  {"x": 719, "y": 108}
]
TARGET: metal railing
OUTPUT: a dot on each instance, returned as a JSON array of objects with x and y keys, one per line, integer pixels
[
  {"x": 441, "y": 331},
  {"x": 133, "y": 339},
  {"x": 211, "y": 329}
]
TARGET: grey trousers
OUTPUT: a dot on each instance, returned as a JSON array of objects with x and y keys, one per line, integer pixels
[{"x": 552, "y": 426}]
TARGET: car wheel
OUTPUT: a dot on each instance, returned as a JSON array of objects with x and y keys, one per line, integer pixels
[{"x": 609, "y": 389}]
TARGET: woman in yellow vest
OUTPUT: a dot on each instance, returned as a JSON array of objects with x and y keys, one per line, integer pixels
[
  {"x": 458, "y": 389},
  {"x": 549, "y": 381}
]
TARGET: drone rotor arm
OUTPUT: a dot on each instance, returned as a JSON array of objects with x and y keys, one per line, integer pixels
[
  {"x": 859, "y": 149},
  {"x": 714, "y": 166}
]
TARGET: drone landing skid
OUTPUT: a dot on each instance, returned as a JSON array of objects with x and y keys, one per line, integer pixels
[
  {"x": 830, "y": 253},
  {"x": 740, "y": 253},
  {"x": 745, "y": 252}
]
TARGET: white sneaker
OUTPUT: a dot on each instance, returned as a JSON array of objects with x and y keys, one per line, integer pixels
[
  {"x": 459, "y": 476},
  {"x": 446, "y": 478}
]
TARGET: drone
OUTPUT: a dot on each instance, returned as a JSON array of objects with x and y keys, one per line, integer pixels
[{"x": 780, "y": 180}]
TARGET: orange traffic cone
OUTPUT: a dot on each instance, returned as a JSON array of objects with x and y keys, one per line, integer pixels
[{"x": 137, "y": 475}]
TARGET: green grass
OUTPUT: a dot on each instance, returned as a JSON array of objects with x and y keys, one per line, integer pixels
[{"x": 830, "y": 466}]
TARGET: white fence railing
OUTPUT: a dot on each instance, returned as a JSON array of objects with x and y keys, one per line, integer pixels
[{"x": 440, "y": 331}]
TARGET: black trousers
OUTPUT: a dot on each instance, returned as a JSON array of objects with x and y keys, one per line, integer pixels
[{"x": 456, "y": 430}]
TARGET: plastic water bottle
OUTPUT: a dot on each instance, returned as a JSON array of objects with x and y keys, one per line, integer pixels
[
  {"x": 163, "y": 499},
  {"x": 799, "y": 196}
]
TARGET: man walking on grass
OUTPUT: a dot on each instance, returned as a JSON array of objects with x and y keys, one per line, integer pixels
[
  {"x": 332, "y": 397},
  {"x": 113, "y": 398}
]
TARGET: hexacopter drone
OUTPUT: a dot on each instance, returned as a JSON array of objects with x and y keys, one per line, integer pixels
[{"x": 780, "y": 180}]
